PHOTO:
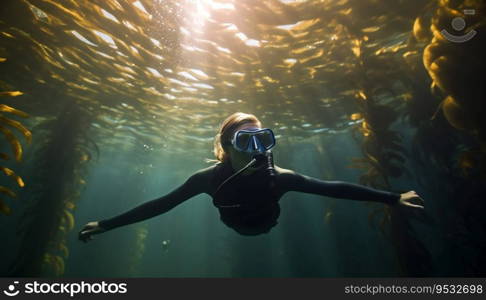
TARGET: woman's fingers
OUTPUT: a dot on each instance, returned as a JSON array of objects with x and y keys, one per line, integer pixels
[
  {"x": 87, "y": 237},
  {"x": 418, "y": 199},
  {"x": 83, "y": 236},
  {"x": 86, "y": 234},
  {"x": 415, "y": 205}
]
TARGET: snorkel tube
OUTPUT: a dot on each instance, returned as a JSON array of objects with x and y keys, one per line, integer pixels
[{"x": 266, "y": 159}]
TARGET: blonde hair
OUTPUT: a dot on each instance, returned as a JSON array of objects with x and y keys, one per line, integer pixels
[{"x": 226, "y": 131}]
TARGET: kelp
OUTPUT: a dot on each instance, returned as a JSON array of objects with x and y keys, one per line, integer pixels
[
  {"x": 138, "y": 250},
  {"x": 384, "y": 155},
  {"x": 464, "y": 89},
  {"x": 48, "y": 217},
  {"x": 458, "y": 151},
  {"x": 5, "y": 123}
]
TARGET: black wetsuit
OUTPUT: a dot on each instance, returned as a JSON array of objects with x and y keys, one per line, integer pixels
[{"x": 249, "y": 203}]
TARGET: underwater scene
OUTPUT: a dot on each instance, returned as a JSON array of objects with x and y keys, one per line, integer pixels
[{"x": 106, "y": 105}]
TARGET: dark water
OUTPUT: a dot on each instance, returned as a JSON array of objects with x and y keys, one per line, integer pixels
[{"x": 122, "y": 100}]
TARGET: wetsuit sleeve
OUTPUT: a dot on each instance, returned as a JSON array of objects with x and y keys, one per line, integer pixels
[
  {"x": 337, "y": 189},
  {"x": 193, "y": 186}
]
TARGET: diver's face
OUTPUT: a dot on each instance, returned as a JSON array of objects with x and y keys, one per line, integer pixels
[{"x": 238, "y": 156}]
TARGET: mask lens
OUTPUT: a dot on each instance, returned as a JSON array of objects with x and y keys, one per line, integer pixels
[
  {"x": 242, "y": 140},
  {"x": 266, "y": 139}
]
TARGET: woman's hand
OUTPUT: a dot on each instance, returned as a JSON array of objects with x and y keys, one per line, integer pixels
[
  {"x": 88, "y": 230},
  {"x": 406, "y": 199}
]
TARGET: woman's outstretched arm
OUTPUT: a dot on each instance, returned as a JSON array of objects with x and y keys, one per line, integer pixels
[
  {"x": 293, "y": 181},
  {"x": 194, "y": 185}
]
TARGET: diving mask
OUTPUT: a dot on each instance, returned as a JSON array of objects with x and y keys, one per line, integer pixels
[{"x": 253, "y": 140}]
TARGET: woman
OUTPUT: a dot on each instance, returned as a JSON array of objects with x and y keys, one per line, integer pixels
[{"x": 245, "y": 185}]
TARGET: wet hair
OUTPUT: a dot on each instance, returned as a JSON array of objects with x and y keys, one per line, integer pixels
[{"x": 227, "y": 129}]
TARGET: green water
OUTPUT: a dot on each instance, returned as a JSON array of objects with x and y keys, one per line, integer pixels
[{"x": 124, "y": 99}]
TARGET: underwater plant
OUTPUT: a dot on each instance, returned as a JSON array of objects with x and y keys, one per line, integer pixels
[
  {"x": 5, "y": 123},
  {"x": 138, "y": 250},
  {"x": 48, "y": 216},
  {"x": 456, "y": 68},
  {"x": 384, "y": 155}
]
